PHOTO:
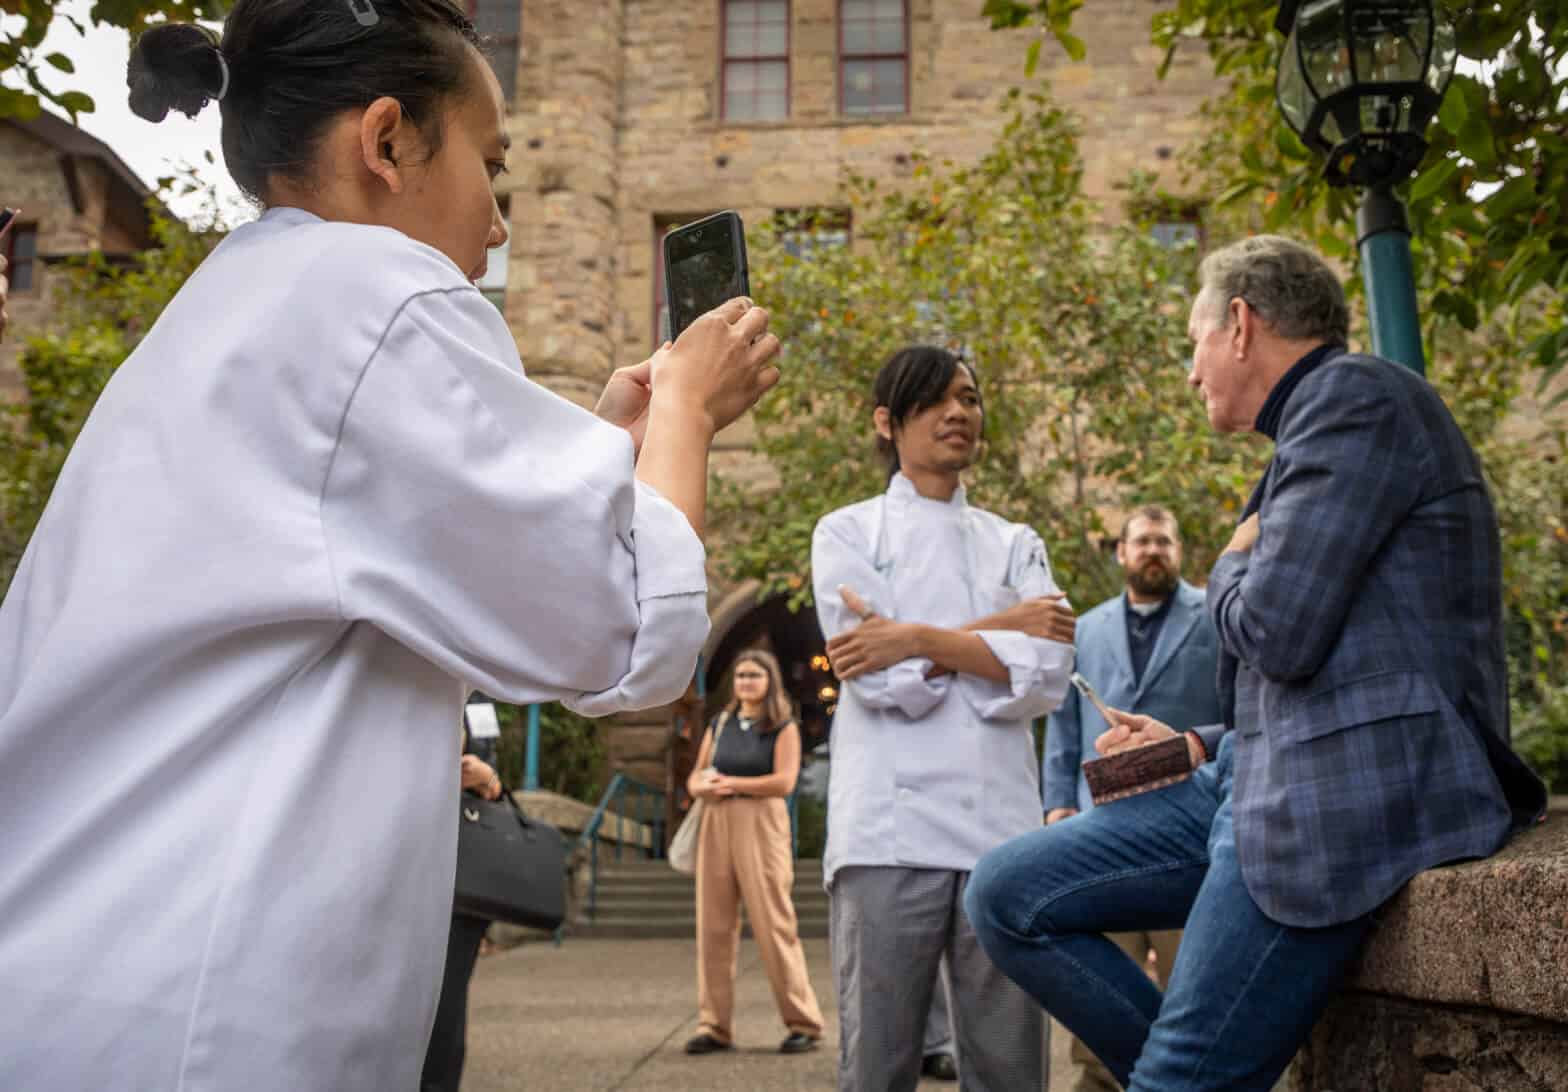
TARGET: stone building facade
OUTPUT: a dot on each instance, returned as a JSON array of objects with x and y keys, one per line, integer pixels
[
  {"x": 77, "y": 196},
  {"x": 630, "y": 116}
]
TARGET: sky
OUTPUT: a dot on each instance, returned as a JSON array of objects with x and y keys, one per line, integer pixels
[{"x": 152, "y": 151}]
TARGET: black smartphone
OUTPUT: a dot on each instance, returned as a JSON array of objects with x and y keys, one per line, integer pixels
[
  {"x": 704, "y": 265},
  {"x": 6, "y": 216}
]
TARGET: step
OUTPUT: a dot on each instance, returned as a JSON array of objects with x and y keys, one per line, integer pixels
[
  {"x": 662, "y": 871},
  {"x": 635, "y": 928},
  {"x": 661, "y": 889},
  {"x": 614, "y": 905}
]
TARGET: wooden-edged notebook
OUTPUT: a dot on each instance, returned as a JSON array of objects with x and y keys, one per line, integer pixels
[{"x": 1142, "y": 769}]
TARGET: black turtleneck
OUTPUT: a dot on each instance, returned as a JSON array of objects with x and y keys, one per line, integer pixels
[{"x": 1274, "y": 405}]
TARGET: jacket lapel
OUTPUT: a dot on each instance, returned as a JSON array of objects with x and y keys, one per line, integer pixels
[
  {"x": 1121, "y": 649},
  {"x": 1184, "y": 615}
]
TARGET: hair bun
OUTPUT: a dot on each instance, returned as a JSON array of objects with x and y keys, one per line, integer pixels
[{"x": 175, "y": 66}]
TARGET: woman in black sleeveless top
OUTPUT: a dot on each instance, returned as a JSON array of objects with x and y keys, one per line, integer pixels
[{"x": 747, "y": 765}]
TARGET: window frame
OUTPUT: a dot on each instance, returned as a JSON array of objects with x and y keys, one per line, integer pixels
[
  {"x": 509, "y": 46},
  {"x": 844, "y": 57},
  {"x": 725, "y": 60},
  {"x": 32, "y": 262}
]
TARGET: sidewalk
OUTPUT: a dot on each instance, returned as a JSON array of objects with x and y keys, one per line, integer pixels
[{"x": 603, "y": 1015}]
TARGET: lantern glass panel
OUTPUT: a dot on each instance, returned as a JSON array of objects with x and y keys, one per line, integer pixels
[
  {"x": 1325, "y": 55},
  {"x": 1382, "y": 114},
  {"x": 1390, "y": 42},
  {"x": 1331, "y": 133},
  {"x": 1295, "y": 97},
  {"x": 1445, "y": 51}
]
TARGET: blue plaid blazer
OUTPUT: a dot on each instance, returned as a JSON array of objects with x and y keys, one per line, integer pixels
[{"x": 1361, "y": 652}]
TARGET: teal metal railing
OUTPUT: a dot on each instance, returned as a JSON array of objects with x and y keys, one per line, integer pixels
[{"x": 625, "y": 800}]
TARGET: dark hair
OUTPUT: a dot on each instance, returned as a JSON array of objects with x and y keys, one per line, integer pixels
[
  {"x": 286, "y": 68},
  {"x": 914, "y": 379},
  {"x": 1154, "y": 513}
]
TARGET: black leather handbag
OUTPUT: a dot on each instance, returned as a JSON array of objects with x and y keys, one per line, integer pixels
[{"x": 509, "y": 867}]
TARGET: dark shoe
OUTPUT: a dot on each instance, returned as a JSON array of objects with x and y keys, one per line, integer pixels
[
  {"x": 797, "y": 1043},
  {"x": 705, "y": 1044},
  {"x": 940, "y": 1067}
]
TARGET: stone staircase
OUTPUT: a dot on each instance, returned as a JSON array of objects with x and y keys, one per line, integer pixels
[{"x": 646, "y": 898}]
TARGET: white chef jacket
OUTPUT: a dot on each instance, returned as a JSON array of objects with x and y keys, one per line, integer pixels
[
  {"x": 317, "y": 505},
  {"x": 933, "y": 773}
]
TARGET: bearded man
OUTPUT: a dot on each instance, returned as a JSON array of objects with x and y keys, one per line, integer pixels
[{"x": 1152, "y": 649}]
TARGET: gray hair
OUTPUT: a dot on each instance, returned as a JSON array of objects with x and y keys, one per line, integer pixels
[{"x": 1290, "y": 287}]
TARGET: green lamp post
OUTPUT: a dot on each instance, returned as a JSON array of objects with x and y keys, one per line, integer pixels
[{"x": 1359, "y": 81}]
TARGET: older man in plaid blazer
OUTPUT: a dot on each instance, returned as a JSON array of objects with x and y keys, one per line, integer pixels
[{"x": 1359, "y": 611}]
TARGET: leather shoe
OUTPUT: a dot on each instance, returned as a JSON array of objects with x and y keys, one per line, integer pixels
[
  {"x": 939, "y": 1066},
  {"x": 797, "y": 1043},
  {"x": 706, "y": 1044}
]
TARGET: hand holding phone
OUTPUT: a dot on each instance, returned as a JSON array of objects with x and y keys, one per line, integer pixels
[{"x": 722, "y": 364}]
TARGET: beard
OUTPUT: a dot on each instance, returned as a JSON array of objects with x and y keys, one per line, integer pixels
[{"x": 1153, "y": 579}]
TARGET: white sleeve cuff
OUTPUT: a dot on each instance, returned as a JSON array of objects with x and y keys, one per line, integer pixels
[
  {"x": 1037, "y": 672},
  {"x": 670, "y": 556},
  {"x": 664, "y": 657}
]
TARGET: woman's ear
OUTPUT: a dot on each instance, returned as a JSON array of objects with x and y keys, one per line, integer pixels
[{"x": 386, "y": 142}]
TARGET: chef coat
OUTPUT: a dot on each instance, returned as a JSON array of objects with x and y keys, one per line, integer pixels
[
  {"x": 932, "y": 773},
  {"x": 317, "y": 506}
]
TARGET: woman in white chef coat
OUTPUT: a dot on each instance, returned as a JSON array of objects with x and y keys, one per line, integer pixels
[{"x": 316, "y": 507}]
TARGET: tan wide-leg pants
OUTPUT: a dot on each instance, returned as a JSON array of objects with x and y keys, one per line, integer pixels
[{"x": 743, "y": 852}]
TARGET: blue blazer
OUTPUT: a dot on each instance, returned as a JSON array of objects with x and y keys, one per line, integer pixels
[
  {"x": 1362, "y": 673},
  {"x": 1177, "y": 687}
]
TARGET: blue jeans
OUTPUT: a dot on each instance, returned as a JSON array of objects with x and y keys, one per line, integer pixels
[{"x": 1245, "y": 990}]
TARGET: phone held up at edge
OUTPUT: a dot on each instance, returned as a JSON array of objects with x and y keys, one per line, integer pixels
[
  {"x": 704, "y": 265},
  {"x": 6, "y": 216},
  {"x": 1083, "y": 687}
]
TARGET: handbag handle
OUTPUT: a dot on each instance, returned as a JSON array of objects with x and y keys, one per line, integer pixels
[{"x": 506, "y": 795}]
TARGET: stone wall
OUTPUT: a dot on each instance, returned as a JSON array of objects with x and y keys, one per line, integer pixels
[
  {"x": 33, "y": 178},
  {"x": 1463, "y": 986}
]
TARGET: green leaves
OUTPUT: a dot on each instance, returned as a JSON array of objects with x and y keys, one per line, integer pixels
[{"x": 1431, "y": 181}]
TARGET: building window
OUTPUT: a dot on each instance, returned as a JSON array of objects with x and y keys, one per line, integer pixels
[
  {"x": 493, "y": 284},
  {"x": 499, "y": 21},
  {"x": 22, "y": 257},
  {"x": 873, "y": 49},
  {"x": 805, "y": 232},
  {"x": 756, "y": 60},
  {"x": 1174, "y": 233}
]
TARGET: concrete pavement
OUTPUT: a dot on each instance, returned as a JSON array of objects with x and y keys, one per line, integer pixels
[{"x": 612, "y": 1016}]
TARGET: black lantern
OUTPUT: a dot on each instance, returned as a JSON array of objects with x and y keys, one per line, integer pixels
[{"x": 1360, "y": 80}]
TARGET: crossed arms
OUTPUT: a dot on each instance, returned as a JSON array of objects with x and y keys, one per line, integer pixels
[{"x": 1014, "y": 662}]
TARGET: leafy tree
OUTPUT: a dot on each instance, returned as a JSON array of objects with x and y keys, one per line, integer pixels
[
  {"x": 1489, "y": 206},
  {"x": 19, "y": 48},
  {"x": 1077, "y": 332}
]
